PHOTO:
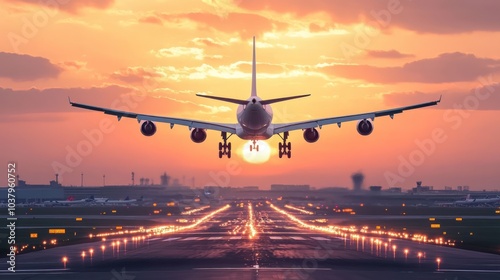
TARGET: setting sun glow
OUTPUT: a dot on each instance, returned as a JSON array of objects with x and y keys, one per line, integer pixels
[{"x": 256, "y": 157}]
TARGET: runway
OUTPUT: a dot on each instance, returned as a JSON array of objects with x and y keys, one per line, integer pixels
[{"x": 224, "y": 247}]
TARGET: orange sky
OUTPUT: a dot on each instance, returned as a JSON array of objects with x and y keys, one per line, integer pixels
[{"x": 352, "y": 56}]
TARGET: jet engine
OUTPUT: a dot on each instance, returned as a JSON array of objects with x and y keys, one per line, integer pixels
[
  {"x": 365, "y": 127},
  {"x": 148, "y": 128},
  {"x": 198, "y": 135},
  {"x": 311, "y": 135}
]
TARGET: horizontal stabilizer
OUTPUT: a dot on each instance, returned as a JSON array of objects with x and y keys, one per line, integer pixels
[
  {"x": 270, "y": 101},
  {"x": 230, "y": 100}
]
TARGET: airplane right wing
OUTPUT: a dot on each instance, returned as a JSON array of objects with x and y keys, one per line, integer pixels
[{"x": 285, "y": 127}]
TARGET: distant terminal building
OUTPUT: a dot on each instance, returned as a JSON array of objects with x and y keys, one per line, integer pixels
[
  {"x": 375, "y": 188},
  {"x": 35, "y": 193},
  {"x": 394, "y": 190},
  {"x": 249, "y": 188},
  {"x": 285, "y": 188}
]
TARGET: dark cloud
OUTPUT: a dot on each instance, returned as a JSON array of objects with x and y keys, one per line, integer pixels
[
  {"x": 391, "y": 54},
  {"x": 446, "y": 68},
  {"x": 427, "y": 16},
  {"x": 70, "y": 6},
  {"x": 481, "y": 98},
  {"x": 26, "y": 68}
]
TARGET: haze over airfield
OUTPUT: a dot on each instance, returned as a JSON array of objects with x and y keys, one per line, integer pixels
[{"x": 153, "y": 57}]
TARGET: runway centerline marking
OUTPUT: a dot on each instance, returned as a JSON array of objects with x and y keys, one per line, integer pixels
[
  {"x": 321, "y": 238},
  {"x": 171, "y": 239},
  {"x": 297, "y": 238},
  {"x": 190, "y": 238}
]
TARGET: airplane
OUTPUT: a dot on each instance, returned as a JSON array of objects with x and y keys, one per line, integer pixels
[
  {"x": 126, "y": 201},
  {"x": 254, "y": 120},
  {"x": 68, "y": 202},
  {"x": 100, "y": 200},
  {"x": 478, "y": 201}
]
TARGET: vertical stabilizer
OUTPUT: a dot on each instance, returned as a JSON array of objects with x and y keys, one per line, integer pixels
[{"x": 254, "y": 80}]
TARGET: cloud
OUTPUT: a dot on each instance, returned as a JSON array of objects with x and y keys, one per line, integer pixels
[
  {"x": 446, "y": 68},
  {"x": 73, "y": 65},
  {"x": 209, "y": 42},
  {"x": 151, "y": 19},
  {"x": 485, "y": 97},
  {"x": 80, "y": 23},
  {"x": 197, "y": 53},
  {"x": 238, "y": 70},
  {"x": 426, "y": 16},
  {"x": 135, "y": 75},
  {"x": 391, "y": 54},
  {"x": 19, "y": 67},
  {"x": 233, "y": 23},
  {"x": 71, "y": 6}
]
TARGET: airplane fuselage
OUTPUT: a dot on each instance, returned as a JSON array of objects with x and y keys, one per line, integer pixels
[{"x": 254, "y": 120}]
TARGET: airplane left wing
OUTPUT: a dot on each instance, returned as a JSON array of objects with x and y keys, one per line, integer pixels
[
  {"x": 284, "y": 127},
  {"x": 223, "y": 127}
]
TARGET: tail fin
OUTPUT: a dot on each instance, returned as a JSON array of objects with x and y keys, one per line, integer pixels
[
  {"x": 254, "y": 79},
  {"x": 467, "y": 197}
]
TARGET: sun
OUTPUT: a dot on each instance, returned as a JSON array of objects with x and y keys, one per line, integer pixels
[{"x": 254, "y": 156}]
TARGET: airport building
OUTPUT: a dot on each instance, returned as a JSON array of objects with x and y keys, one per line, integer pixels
[
  {"x": 26, "y": 193},
  {"x": 286, "y": 188}
]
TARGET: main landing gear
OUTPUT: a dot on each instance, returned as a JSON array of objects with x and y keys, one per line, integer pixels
[
  {"x": 224, "y": 147},
  {"x": 284, "y": 147},
  {"x": 254, "y": 146}
]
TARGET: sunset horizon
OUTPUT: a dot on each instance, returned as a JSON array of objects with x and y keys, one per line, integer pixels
[{"x": 153, "y": 58}]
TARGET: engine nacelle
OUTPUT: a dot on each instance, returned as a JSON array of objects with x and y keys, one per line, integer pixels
[
  {"x": 198, "y": 135},
  {"x": 365, "y": 127},
  {"x": 311, "y": 135},
  {"x": 148, "y": 128}
]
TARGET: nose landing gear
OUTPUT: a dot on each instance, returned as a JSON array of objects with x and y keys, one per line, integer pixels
[{"x": 254, "y": 146}]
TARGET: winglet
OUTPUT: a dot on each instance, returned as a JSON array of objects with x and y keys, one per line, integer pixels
[
  {"x": 69, "y": 100},
  {"x": 254, "y": 80},
  {"x": 441, "y": 96}
]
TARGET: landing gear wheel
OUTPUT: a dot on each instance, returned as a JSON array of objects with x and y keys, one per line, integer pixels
[
  {"x": 257, "y": 148},
  {"x": 224, "y": 147},
  {"x": 251, "y": 148},
  {"x": 285, "y": 147}
]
